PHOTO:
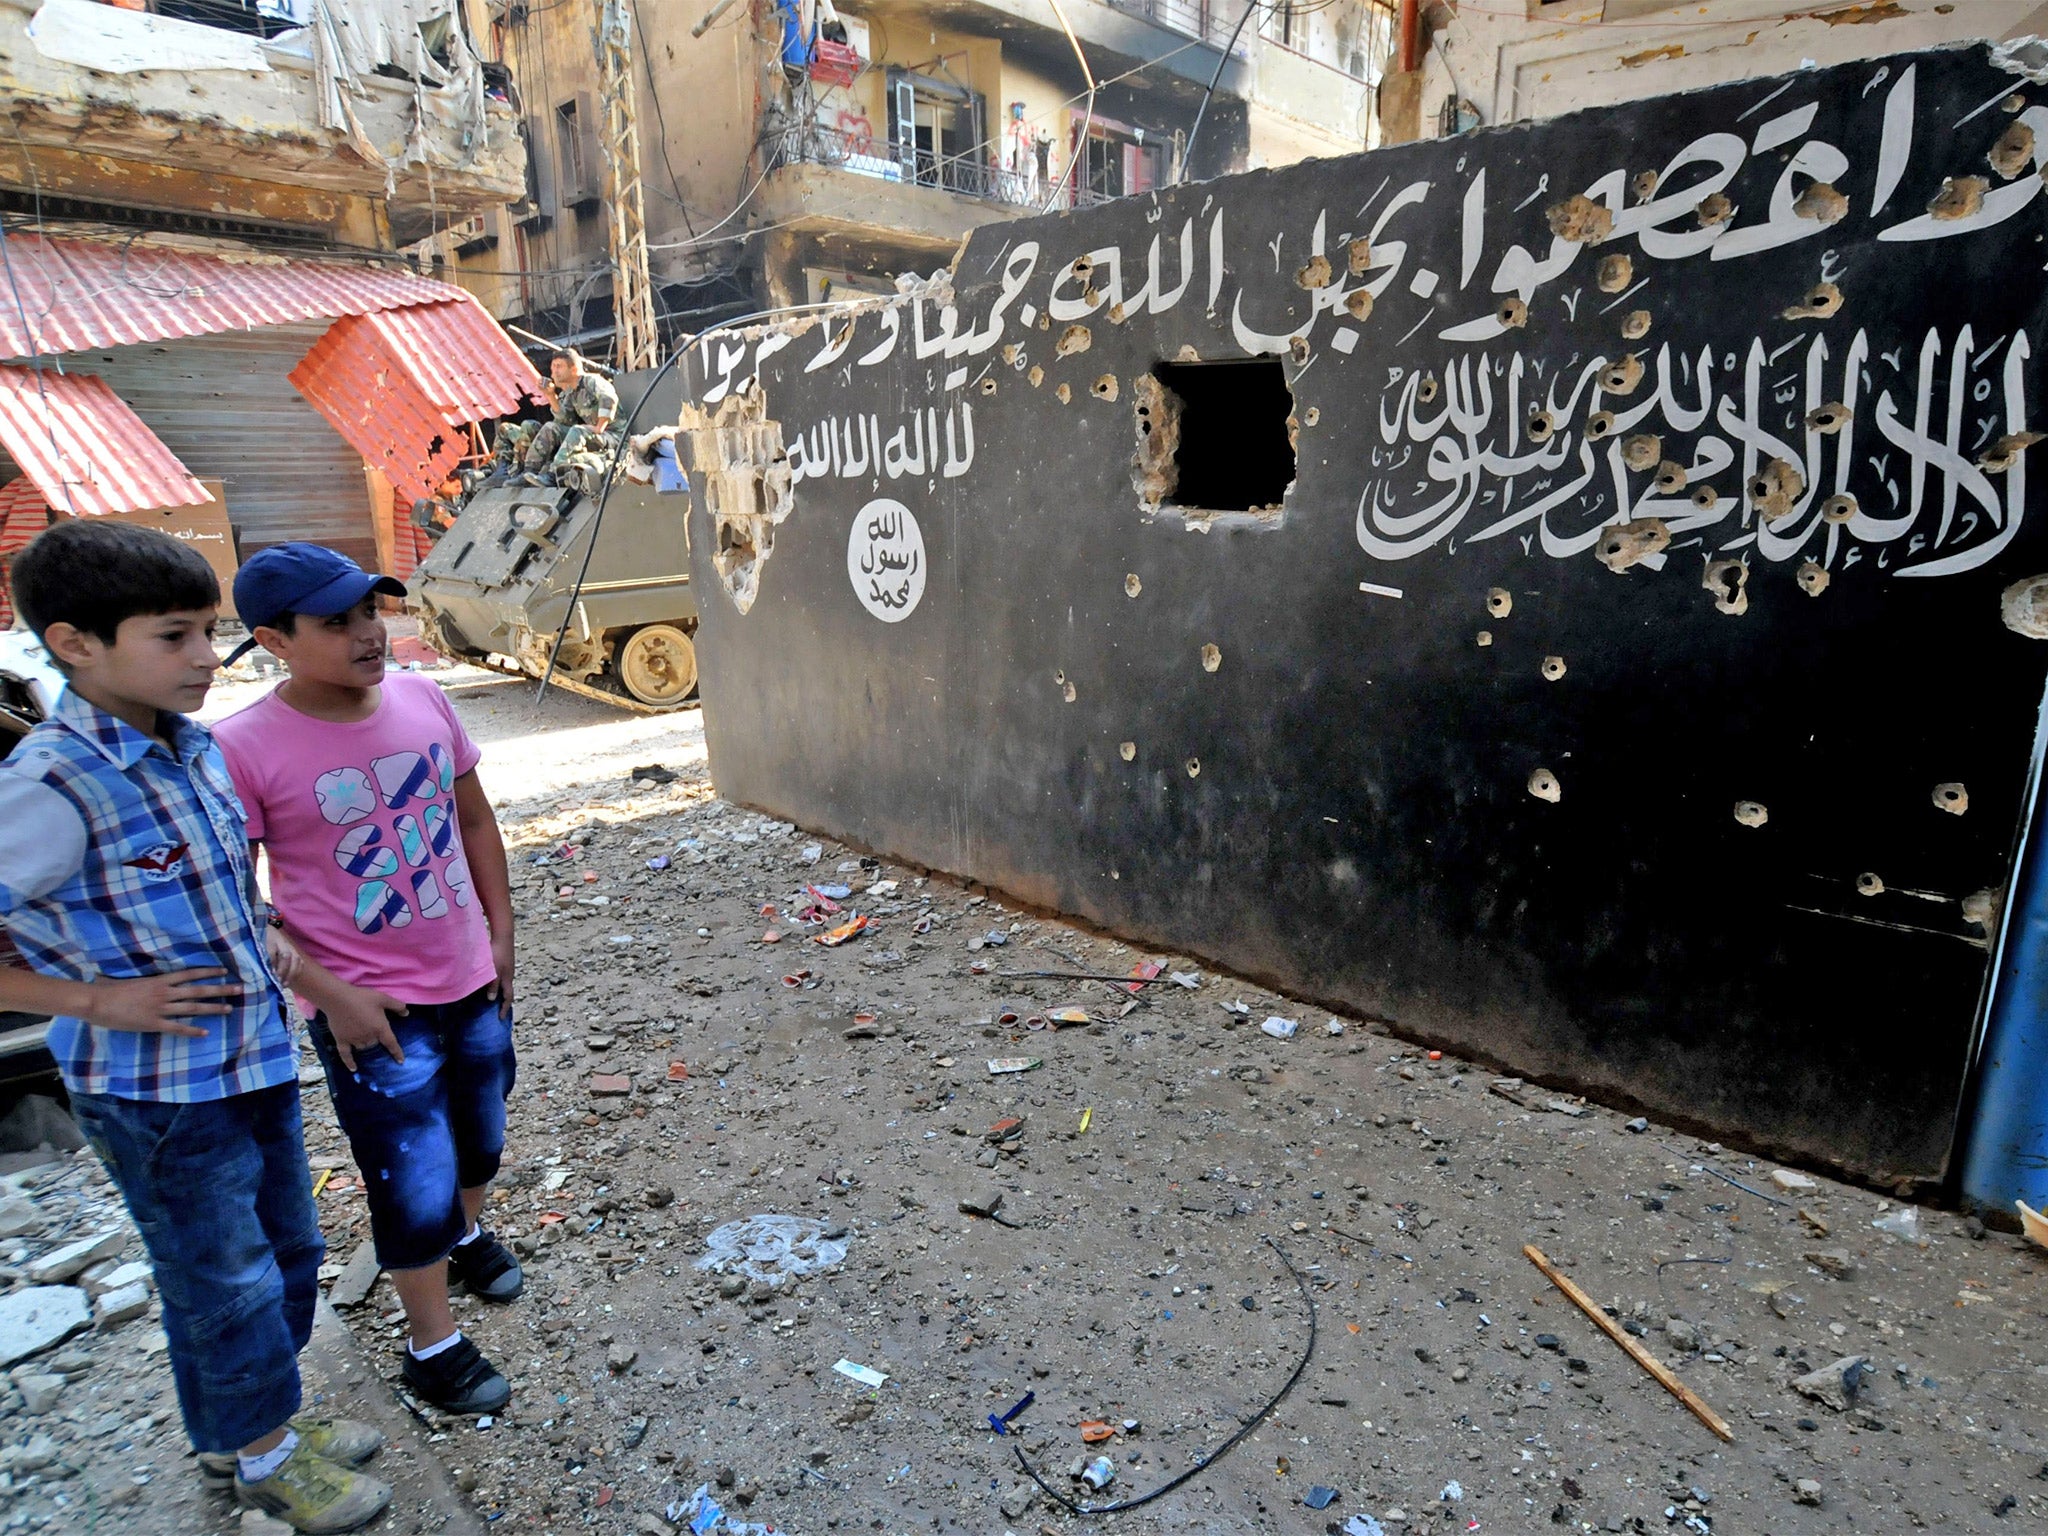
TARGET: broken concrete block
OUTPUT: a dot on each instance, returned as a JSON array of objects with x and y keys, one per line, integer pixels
[
  {"x": 1019, "y": 1499},
  {"x": 1806, "y": 1491},
  {"x": 1794, "y": 1183},
  {"x": 358, "y": 1277},
  {"x": 1836, "y": 1384},
  {"x": 63, "y": 1263},
  {"x": 18, "y": 1217},
  {"x": 122, "y": 1306},
  {"x": 986, "y": 1203},
  {"x": 611, "y": 1085},
  {"x": 1832, "y": 1261},
  {"x": 121, "y": 1276},
  {"x": 39, "y": 1392},
  {"x": 33, "y": 1319}
]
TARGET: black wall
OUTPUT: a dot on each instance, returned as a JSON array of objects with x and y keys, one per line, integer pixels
[{"x": 1362, "y": 829}]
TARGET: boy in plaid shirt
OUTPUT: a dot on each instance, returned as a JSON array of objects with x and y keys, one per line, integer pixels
[{"x": 126, "y": 886}]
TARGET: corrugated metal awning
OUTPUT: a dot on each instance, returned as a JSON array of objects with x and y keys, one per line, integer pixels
[
  {"x": 79, "y": 295},
  {"x": 402, "y": 385},
  {"x": 85, "y": 448}
]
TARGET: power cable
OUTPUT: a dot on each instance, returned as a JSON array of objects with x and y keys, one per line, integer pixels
[
  {"x": 1206, "y": 1462},
  {"x": 1188, "y": 155}
]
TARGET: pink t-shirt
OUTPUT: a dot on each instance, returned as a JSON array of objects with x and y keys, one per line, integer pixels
[{"x": 366, "y": 859}]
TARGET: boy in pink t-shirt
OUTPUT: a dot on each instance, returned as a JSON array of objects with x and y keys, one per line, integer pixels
[{"x": 389, "y": 873}]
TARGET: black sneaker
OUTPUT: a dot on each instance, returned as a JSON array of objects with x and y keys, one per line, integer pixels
[
  {"x": 459, "y": 1379},
  {"x": 486, "y": 1268}
]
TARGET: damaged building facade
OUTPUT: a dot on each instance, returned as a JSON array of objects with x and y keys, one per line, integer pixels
[
  {"x": 206, "y": 323},
  {"x": 1561, "y": 590},
  {"x": 791, "y": 154}
]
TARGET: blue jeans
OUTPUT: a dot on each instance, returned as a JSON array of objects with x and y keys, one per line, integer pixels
[
  {"x": 221, "y": 1194},
  {"x": 426, "y": 1128}
]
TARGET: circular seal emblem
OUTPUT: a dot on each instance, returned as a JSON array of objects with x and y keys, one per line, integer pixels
[{"x": 885, "y": 560}]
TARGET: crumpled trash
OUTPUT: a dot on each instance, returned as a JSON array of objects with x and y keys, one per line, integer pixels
[
  {"x": 1905, "y": 1223},
  {"x": 1279, "y": 1028}
]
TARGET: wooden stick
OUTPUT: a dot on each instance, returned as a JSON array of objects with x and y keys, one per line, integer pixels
[{"x": 1636, "y": 1352}]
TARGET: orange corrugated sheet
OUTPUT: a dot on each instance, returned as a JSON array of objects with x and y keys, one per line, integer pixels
[
  {"x": 84, "y": 446},
  {"x": 82, "y": 295},
  {"x": 23, "y": 515},
  {"x": 402, "y": 385}
]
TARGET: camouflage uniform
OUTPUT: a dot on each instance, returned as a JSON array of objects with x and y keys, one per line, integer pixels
[
  {"x": 511, "y": 444},
  {"x": 574, "y": 428}
]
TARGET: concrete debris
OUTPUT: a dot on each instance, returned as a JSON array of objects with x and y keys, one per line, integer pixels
[
  {"x": 1835, "y": 1385},
  {"x": 34, "y": 1319},
  {"x": 121, "y": 1306},
  {"x": 65, "y": 1262},
  {"x": 358, "y": 1277},
  {"x": 1794, "y": 1183}
]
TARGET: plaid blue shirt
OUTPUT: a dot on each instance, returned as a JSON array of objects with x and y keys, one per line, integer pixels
[{"x": 119, "y": 858}]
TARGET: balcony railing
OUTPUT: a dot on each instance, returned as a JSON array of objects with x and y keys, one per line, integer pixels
[
  {"x": 969, "y": 174},
  {"x": 1212, "y": 21}
]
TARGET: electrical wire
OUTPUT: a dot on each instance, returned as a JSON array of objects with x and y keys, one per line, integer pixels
[
  {"x": 1187, "y": 157},
  {"x": 1088, "y": 115},
  {"x": 1222, "y": 1450}
]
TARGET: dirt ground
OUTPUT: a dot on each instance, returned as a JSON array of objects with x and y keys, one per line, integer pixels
[{"x": 679, "y": 1073}]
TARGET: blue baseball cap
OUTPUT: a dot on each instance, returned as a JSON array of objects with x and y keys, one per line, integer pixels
[{"x": 301, "y": 578}]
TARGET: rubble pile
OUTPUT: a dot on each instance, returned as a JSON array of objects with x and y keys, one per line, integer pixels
[{"x": 809, "y": 1205}]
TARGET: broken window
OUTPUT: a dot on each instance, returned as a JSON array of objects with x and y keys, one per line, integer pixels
[{"x": 1215, "y": 437}]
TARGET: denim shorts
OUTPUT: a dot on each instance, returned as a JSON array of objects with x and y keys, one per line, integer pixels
[
  {"x": 426, "y": 1128},
  {"x": 220, "y": 1193}
]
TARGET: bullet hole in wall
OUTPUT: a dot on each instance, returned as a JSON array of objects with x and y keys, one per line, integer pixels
[
  {"x": 1230, "y": 450},
  {"x": 1194, "y": 766},
  {"x": 1813, "y": 579},
  {"x": 1629, "y": 544},
  {"x": 1132, "y": 585},
  {"x": 1728, "y": 580},
  {"x": 1212, "y": 658},
  {"x": 1544, "y": 786},
  {"x": 1541, "y": 425},
  {"x": 1599, "y": 424},
  {"x": 1075, "y": 338},
  {"x": 1553, "y": 668},
  {"x": 1670, "y": 477},
  {"x": 1952, "y": 798},
  {"x": 1485, "y": 637},
  {"x": 1821, "y": 301},
  {"x": 1705, "y": 497},
  {"x": 1358, "y": 303},
  {"x": 2023, "y": 607},
  {"x": 1752, "y": 813},
  {"x": 1959, "y": 197},
  {"x": 1714, "y": 209},
  {"x": 2005, "y": 452},
  {"x": 1500, "y": 602},
  {"x": 1839, "y": 508},
  {"x": 1828, "y": 418},
  {"x": 1313, "y": 273},
  {"x": 1642, "y": 450},
  {"x": 1127, "y": 750},
  {"x": 1635, "y": 325},
  {"x": 1622, "y": 377},
  {"x": 1580, "y": 220},
  {"x": 1105, "y": 388},
  {"x": 1868, "y": 884},
  {"x": 2014, "y": 149},
  {"x": 1822, "y": 203},
  {"x": 1614, "y": 273},
  {"x": 1512, "y": 313}
]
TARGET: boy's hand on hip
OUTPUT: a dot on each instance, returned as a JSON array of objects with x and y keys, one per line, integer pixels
[
  {"x": 361, "y": 1018},
  {"x": 161, "y": 1005},
  {"x": 502, "y": 959}
]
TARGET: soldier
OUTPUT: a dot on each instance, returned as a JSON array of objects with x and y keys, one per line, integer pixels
[
  {"x": 585, "y": 406},
  {"x": 511, "y": 443}
]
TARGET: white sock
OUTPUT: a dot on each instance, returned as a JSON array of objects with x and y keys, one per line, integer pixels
[
  {"x": 475, "y": 1230},
  {"x": 255, "y": 1468},
  {"x": 432, "y": 1350}
]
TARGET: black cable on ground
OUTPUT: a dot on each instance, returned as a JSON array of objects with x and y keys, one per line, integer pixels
[{"x": 1222, "y": 1450}]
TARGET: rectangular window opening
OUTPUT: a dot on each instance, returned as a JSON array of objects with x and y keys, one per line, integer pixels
[{"x": 1230, "y": 440}]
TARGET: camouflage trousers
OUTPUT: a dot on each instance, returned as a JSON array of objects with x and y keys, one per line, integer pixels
[{"x": 554, "y": 443}]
